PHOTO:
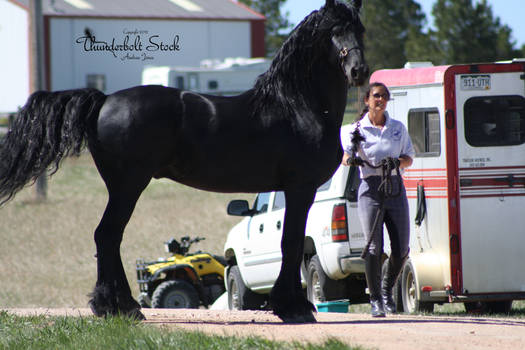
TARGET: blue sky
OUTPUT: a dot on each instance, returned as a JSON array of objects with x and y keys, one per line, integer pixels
[{"x": 510, "y": 12}]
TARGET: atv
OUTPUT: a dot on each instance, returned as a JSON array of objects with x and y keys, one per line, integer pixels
[{"x": 184, "y": 280}]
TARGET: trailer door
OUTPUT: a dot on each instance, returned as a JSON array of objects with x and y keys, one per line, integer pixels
[{"x": 490, "y": 111}]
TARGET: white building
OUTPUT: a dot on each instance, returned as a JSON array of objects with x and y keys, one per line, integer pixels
[{"x": 106, "y": 44}]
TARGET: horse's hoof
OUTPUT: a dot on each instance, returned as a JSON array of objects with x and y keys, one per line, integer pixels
[
  {"x": 297, "y": 318},
  {"x": 96, "y": 311},
  {"x": 309, "y": 318},
  {"x": 136, "y": 315}
]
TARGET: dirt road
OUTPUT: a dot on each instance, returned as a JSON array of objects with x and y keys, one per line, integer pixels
[{"x": 392, "y": 333}]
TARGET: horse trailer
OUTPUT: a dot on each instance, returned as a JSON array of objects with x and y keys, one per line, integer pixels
[
  {"x": 227, "y": 77},
  {"x": 466, "y": 187}
]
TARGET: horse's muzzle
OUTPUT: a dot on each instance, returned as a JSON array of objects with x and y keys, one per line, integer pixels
[
  {"x": 358, "y": 74},
  {"x": 354, "y": 66}
]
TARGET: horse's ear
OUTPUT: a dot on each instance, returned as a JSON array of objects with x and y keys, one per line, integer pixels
[
  {"x": 357, "y": 4},
  {"x": 330, "y": 3}
]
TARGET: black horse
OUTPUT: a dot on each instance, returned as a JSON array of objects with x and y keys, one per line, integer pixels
[{"x": 281, "y": 135}]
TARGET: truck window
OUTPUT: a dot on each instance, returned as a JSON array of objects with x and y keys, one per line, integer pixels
[
  {"x": 495, "y": 121},
  {"x": 279, "y": 202},
  {"x": 261, "y": 203},
  {"x": 352, "y": 184},
  {"x": 423, "y": 128},
  {"x": 325, "y": 186}
]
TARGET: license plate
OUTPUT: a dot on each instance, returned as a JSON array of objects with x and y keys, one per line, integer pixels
[{"x": 475, "y": 82}]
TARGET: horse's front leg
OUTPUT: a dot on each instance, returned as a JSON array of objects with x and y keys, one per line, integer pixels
[
  {"x": 112, "y": 294},
  {"x": 287, "y": 298}
]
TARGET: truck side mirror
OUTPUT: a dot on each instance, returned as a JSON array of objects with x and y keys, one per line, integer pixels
[{"x": 239, "y": 207}]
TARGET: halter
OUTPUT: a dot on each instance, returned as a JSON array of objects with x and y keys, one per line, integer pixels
[{"x": 342, "y": 55}]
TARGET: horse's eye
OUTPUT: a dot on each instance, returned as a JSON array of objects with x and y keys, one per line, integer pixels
[{"x": 337, "y": 30}]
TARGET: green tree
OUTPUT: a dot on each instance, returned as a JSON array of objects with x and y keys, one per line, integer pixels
[
  {"x": 393, "y": 33},
  {"x": 468, "y": 33},
  {"x": 276, "y": 23}
]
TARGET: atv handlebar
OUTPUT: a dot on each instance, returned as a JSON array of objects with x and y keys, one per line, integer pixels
[{"x": 172, "y": 246}]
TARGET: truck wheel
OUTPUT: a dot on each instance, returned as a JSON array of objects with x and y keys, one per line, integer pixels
[
  {"x": 315, "y": 277},
  {"x": 320, "y": 287},
  {"x": 241, "y": 297},
  {"x": 409, "y": 287},
  {"x": 175, "y": 294}
]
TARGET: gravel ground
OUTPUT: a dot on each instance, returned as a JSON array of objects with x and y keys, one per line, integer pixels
[{"x": 392, "y": 332}]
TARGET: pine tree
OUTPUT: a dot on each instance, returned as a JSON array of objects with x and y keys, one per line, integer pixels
[
  {"x": 393, "y": 33},
  {"x": 467, "y": 33}
]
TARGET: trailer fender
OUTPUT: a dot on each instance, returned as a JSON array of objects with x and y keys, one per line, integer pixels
[{"x": 428, "y": 269}]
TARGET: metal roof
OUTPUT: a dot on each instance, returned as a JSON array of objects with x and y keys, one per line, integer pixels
[{"x": 175, "y": 9}]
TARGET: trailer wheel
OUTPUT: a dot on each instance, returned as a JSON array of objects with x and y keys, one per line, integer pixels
[{"x": 409, "y": 287}]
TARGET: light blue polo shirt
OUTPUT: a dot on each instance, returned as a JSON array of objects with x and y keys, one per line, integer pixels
[{"x": 391, "y": 141}]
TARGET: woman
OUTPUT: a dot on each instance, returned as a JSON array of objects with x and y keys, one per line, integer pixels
[{"x": 386, "y": 141}]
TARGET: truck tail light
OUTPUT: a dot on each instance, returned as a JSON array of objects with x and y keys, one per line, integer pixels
[{"x": 339, "y": 224}]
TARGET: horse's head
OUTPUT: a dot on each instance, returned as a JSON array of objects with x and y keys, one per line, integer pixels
[{"x": 347, "y": 39}]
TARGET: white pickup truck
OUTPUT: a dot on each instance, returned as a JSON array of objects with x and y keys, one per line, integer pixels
[{"x": 332, "y": 268}]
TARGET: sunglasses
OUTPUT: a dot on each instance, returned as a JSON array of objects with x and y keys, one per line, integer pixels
[{"x": 378, "y": 96}]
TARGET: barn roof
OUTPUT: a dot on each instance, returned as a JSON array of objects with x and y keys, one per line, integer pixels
[{"x": 173, "y": 9}]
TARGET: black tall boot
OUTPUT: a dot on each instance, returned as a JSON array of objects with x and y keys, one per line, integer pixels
[
  {"x": 391, "y": 275},
  {"x": 373, "y": 280}
]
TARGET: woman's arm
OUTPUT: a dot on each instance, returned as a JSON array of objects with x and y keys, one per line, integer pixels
[{"x": 345, "y": 159}]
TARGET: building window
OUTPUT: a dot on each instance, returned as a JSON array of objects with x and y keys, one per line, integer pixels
[
  {"x": 213, "y": 84},
  {"x": 495, "y": 121},
  {"x": 193, "y": 82},
  {"x": 423, "y": 127},
  {"x": 179, "y": 82},
  {"x": 96, "y": 81}
]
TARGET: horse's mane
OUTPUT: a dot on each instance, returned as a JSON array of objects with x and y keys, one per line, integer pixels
[{"x": 286, "y": 85}]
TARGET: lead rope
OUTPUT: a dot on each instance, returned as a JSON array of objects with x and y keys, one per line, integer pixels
[{"x": 385, "y": 188}]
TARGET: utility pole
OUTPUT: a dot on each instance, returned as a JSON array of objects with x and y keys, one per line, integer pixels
[{"x": 37, "y": 71}]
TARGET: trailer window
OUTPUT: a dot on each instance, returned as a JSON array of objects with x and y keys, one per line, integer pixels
[
  {"x": 495, "y": 121},
  {"x": 423, "y": 127}
]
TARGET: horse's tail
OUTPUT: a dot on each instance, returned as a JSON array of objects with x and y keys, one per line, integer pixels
[{"x": 50, "y": 126}]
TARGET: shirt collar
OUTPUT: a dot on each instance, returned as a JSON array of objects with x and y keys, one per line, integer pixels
[{"x": 365, "y": 121}]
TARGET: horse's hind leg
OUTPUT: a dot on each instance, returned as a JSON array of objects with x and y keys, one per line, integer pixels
[
  {"x": 112, "y": 294},
  {"x": 287, "y": 298}
]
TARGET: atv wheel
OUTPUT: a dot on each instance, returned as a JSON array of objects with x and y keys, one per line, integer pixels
[
  {"x": 175, "y": 294},
  {"x": 144, "y": 300}
]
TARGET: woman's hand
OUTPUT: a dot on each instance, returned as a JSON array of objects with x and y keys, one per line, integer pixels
[
  {"x": 344, "y": 161},
  {"x": 405, "y": 161}
]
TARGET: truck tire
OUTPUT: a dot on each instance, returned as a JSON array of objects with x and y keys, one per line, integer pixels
[
  {"x": 241, "y": 297},
  {"x": 320, "y": 287},
  {"x": 175, "y": 294},
  {"x": 409, "y": 287},
  {"x": 315, "y": 278}
]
